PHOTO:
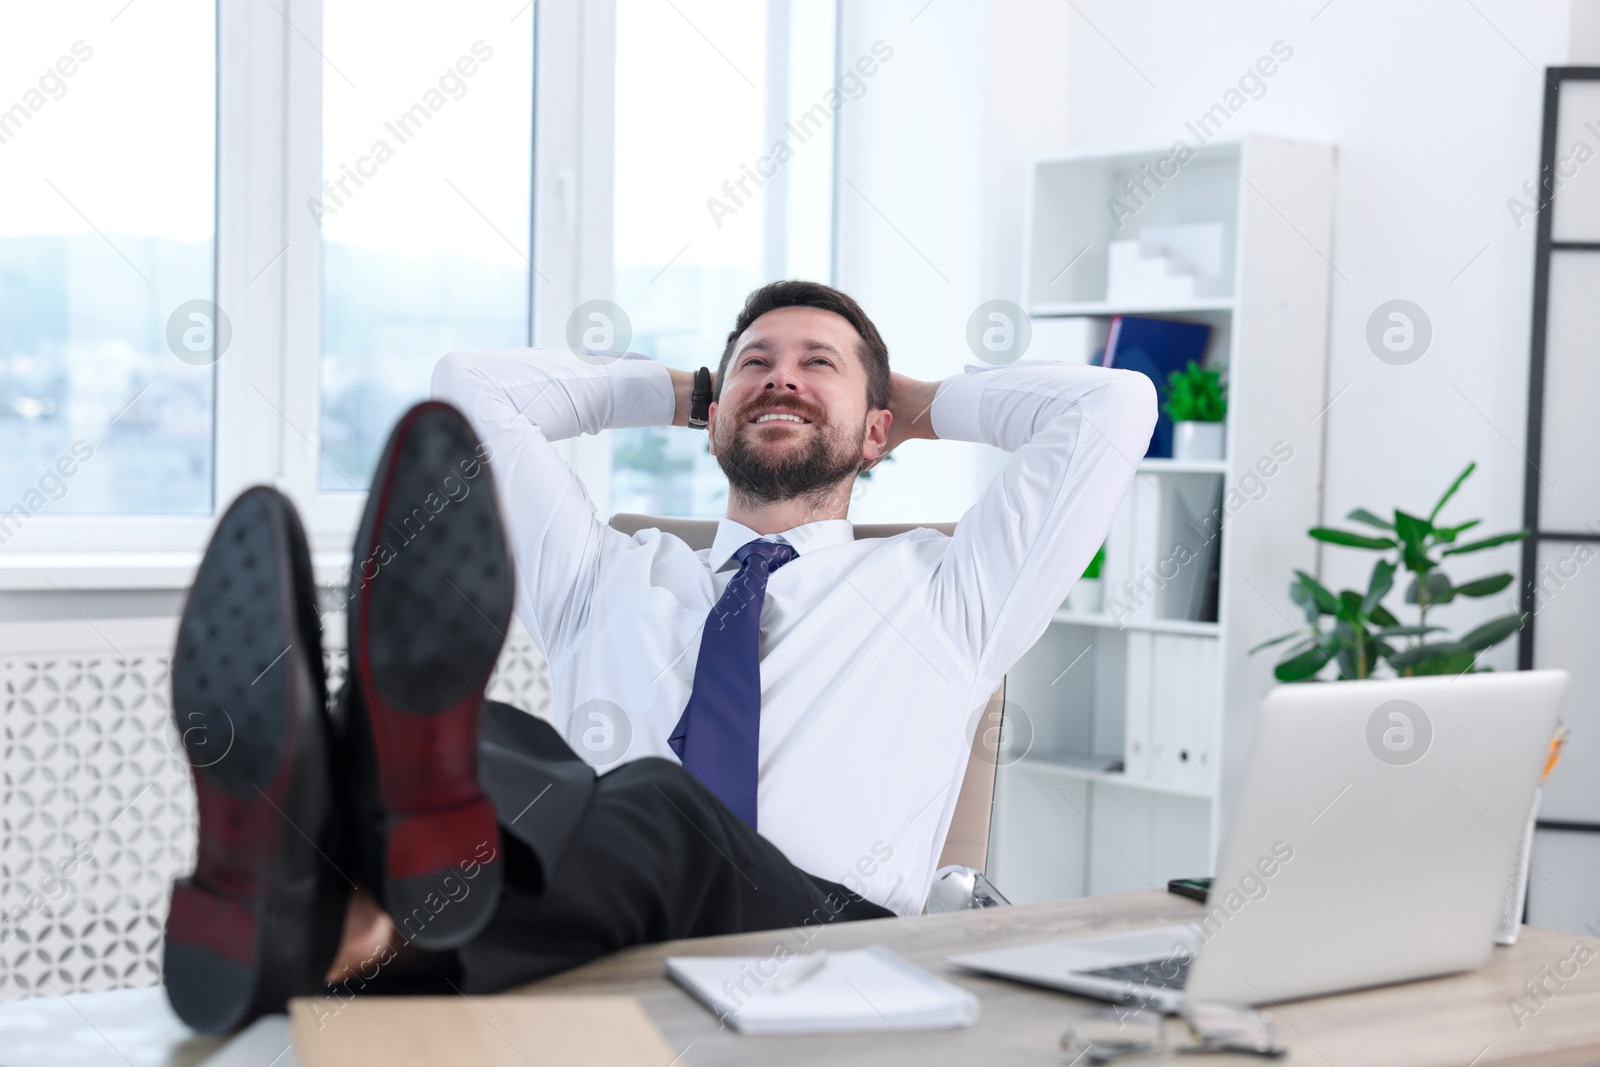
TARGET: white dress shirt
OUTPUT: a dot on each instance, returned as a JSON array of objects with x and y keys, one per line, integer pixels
[{"x": 877, "y": 655}]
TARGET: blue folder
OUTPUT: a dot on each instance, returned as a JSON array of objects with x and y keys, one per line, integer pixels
[{"x": 1156, "y": 348}]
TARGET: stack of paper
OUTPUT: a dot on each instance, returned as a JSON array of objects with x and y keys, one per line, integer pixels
[
  {"x": 1136, "y": 276},
  {"x": 1167, "y": 265},
  {"x": 1069, "y": 339},
  {"x": 1197, "y": 248},
  {"x": 870, "y": 989}
]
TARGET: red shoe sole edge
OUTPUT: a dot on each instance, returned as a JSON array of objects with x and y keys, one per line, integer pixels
[{"x": 439, "y": 820}]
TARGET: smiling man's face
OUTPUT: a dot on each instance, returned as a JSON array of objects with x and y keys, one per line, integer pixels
[{"x": 792, "y": 418}]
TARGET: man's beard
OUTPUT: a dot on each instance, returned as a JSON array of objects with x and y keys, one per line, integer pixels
[{"x": 759, "y": 475}]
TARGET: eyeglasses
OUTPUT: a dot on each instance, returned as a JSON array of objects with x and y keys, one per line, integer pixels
[{"x": 1126, "y": 1030}]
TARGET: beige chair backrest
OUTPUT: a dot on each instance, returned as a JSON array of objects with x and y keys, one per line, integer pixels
[{"x": 968, "y": 840}]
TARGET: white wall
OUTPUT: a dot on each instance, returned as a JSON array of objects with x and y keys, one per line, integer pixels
[
  {"x": 909, "y": 206},
  {"x": 933, "y": 160}
]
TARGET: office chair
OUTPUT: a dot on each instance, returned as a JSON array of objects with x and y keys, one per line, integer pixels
[{"x": 967, "y": 842}]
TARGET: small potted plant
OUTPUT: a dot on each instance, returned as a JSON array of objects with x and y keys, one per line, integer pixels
[
  {"x": 1087, "y": 595},
  {"x": 1197, "y": 405}
]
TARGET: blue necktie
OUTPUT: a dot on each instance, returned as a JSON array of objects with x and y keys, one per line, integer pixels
[{"x": 719, "y": 736}]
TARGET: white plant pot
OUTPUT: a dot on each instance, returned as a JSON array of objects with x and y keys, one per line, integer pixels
[
  {"x": 1197, "y": 440},
  {"x": 1086, "y": 597}
]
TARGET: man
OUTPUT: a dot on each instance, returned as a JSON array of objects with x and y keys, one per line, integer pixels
[{"x": 786, "y": 717}]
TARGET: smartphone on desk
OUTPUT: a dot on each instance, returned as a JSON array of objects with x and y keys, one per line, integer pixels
[{"x": 1193, "y": 888}]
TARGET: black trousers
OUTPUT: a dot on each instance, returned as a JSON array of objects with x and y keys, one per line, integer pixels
[{"x": 640, "y": 854}]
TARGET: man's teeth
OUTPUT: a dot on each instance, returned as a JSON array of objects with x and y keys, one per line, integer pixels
[{"x": 769, "y": 418}]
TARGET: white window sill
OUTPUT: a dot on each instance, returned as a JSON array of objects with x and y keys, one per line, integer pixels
[{"x": 152, "y": 570}]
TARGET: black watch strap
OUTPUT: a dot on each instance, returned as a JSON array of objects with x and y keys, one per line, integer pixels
[{"x": 700, "y": 399}]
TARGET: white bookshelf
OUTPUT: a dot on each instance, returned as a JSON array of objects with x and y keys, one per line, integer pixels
[{"x": 1171, "y": 697}]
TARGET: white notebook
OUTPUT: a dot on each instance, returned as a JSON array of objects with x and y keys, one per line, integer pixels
[{"x": 869, "y": 989}]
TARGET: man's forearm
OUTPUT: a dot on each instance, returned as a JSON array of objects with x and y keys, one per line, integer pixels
[
  {"x": 918, "y": 406},
  {"x": 560, "y": 393}
]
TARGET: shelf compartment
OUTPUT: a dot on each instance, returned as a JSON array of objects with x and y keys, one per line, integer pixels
[
  {"x": 1056, "y": 337},
  {"x": 1082, "y": 202}
]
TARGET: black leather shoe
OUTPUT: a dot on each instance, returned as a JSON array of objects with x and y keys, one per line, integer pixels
[
  {"x": 430, "y": 606},
  {"x": 260, "y": 918}
]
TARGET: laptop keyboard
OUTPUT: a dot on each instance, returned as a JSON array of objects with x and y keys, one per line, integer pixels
[{"x": 1169, "y": 973}]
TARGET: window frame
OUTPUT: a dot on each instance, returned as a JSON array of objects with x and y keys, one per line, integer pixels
[
  {"x": 268, "y": 258},
  {"x": 94, "y": 550},
  {"x": 572, "y": 50},
  {"x": 268, "y": 262}
]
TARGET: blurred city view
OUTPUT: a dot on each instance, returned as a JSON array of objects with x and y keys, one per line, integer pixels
[
  {"x": 682, "y": 319},
  {"x": 386, "y": 320},
  {"x": 84, "y": 357},
  {"x": 108, "y": 228},
  {"x": 431, "y": 252}
]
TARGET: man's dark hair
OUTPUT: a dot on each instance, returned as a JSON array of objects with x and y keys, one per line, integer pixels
[{"x": 872, "y": 352}]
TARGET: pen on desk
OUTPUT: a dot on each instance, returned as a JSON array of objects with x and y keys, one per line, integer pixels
[{"x": 798, "y": 971}]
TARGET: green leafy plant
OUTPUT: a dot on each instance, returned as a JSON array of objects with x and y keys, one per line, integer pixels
[
  {"x": 1093, "y": 569},
  {"x": 1195, "y": 394},
  {"x": 1363, "y": 633}
]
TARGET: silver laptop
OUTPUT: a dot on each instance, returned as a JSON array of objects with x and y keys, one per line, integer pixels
[{"x": 1374, "y": 835}]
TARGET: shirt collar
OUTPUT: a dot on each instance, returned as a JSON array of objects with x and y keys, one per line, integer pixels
[{"x": 809, "y": 537}]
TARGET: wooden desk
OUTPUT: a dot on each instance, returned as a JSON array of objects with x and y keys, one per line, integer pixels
[
  {"x": 1457, "y": 1021},
  {"x": 1463, "y": 1021}
]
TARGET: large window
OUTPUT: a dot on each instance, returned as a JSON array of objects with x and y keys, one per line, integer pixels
[
  {"x": 426, "y": 213},
  {"x": 237, "y": 237},
  {"x": 724, "y": 180},
  {"x": 108, "y": 333}
]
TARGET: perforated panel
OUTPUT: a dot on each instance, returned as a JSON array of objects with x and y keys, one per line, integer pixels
[
  {"x": 97, "y": 811},
  {"x": 96, "y": 817}
]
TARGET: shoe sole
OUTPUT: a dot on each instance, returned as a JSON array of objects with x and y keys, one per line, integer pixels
[
  {"x": 425, "y": 633},
  {"x": 259, "y": 920}
]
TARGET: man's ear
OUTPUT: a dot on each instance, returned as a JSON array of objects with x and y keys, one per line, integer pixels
[
  {"x": 878, "y": 422},
  {"x": 711, "y": 426}
]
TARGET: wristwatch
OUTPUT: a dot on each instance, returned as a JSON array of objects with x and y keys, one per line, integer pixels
[{"x": 700, "y": 399}]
